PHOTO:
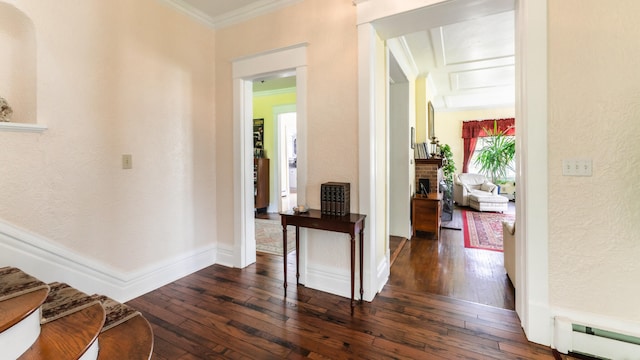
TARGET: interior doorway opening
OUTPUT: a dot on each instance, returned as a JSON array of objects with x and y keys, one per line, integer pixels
[
  {"x": 394, "y": 30},
  {"x": 291, "y": 60},
  {"x": 288, "y": 162}
]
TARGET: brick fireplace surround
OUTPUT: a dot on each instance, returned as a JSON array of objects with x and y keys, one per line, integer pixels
[{"x": 429, "y": 169}]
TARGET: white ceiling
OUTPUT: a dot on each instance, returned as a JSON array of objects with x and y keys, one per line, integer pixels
[
  {"x": 468, "y": 64},
  {"x": 465, "y": 48}
]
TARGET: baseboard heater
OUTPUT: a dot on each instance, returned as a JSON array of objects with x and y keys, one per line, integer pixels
[{"x": 574, "y": 337}]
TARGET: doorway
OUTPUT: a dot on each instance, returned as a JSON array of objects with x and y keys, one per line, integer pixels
[
  {"x": 532, "y": 303},
  {"x": 291, "y": 60},
  {"x": 288, "y": 161}
]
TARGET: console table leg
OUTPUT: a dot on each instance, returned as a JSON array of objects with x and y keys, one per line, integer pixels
[
  {"x": 361, "y": 264},
  {"x": 353, "y": 268},
  {"x": 284, "y": 251},
  {"x": 297, "y": 257}
]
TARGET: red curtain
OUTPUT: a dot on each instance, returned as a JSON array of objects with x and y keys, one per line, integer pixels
[{"x": 472, "y": 130}]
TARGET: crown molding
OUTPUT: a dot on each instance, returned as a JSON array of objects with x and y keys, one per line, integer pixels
[
  {"x": 190, "y": 11},
  {"x": 232, "y": 17}
]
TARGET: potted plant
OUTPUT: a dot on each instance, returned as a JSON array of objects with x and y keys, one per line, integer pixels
[
  {"x": 448, "y": 169},
  {"x": 448, "y": 166},
  {"x": 497, "y": 154}
]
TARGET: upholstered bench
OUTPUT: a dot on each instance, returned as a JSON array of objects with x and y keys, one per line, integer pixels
[{"x": 488, "y": 202}]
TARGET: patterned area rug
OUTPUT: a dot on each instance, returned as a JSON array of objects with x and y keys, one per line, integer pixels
[
  {"x": 269, "y": 237},
  {"x": 483, "y": 230}
]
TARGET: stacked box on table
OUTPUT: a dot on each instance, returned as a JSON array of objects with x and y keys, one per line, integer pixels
[{"x": 335, "y": 198}]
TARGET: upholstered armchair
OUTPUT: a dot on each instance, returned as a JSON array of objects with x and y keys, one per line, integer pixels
[
  {"x": 466, "y": 184},
  {"x": 509, "y": 249}
]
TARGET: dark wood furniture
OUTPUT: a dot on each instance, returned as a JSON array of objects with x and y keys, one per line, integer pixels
[
  {"x": 351, "y": 224},
  {"x": 261, "y": 183},
  {"x": 426, "y": 212}
]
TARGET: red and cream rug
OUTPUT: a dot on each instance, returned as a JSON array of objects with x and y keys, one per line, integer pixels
[{"x": 483, "y": 230}]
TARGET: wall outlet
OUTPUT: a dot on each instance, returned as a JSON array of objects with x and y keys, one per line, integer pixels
[
  {"x": 577, "y": 167},
  {"x": 127, "y": 161}
]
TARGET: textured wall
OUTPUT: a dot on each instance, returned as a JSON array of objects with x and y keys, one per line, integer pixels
[
  {"x": 329, "y": 29},
  {"x": 593, "y": 113},
  {"x": 116, "y": 77}
]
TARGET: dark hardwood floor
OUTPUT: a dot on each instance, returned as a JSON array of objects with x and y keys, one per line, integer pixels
[
  {"x": 446, "y": 267},
  {"x": 221, "y": 312},
  {"x": 229, "y": 313}
]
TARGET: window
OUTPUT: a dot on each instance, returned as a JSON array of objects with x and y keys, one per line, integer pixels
[{"x": 511, "y": 174}]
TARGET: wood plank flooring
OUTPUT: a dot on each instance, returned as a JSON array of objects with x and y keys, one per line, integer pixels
[
  {"x": 446, "y": 267},
  {"x": 228, "y": 313}
]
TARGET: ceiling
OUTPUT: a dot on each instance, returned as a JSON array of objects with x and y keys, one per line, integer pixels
[
  {"x": 468, "y": 64},
  {"x": 464, "y": 48}
]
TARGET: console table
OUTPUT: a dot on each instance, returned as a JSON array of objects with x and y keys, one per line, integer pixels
[{"x": 351, "y": 224}]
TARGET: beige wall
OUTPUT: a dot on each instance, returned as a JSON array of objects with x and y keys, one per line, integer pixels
[
  {"x": 448, "y": 127},
  {"x": 116, "y": 77},
  {"x": 329, "y": 29},
  {"x": 593, "y": 114}
]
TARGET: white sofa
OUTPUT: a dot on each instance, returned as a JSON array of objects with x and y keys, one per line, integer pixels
[
  {"x": 509, "y": 250},
  {"x": 466, "y": 184}
]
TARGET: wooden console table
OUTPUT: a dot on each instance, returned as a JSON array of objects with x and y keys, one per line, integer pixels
[
  {"x": 351, "y": 224},
  {"x": 426, "y": 211}
]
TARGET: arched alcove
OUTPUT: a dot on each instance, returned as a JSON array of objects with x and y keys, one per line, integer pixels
[{"x": 18, "y": 63}]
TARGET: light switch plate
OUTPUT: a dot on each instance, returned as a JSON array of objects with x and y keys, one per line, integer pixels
[
  {"x": 127, "y": 161},
  {"x": 577, "y": 167}
]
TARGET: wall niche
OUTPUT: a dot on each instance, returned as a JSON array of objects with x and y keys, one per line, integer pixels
[{"x": 18, "y": 70}]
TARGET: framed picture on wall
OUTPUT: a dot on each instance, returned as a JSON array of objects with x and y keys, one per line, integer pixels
[
  {"x": 431, "y": 130},
  {"x": 258, "y": 133}
]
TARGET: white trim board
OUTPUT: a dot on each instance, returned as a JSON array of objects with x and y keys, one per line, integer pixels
[
  {"x": 51, "y": 262},
  {"x": 290, "y": 60}
]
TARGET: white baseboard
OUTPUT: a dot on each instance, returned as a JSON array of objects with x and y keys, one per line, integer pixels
[
  {"x": 51, "y": 262},
  {"x": 382, "y": 276},
  {"x": 335, "y": 281},
  {"x": 540, "y": 327},
  {"x": 225, "y": 255}
]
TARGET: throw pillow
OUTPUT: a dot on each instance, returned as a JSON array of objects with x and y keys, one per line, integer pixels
[{"x": 488, "y": 187}]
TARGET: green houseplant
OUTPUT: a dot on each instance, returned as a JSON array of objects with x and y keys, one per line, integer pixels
[
  {"x": 497, "y": 154},
  {"x": 448, "y": 166},
  {"x": 448, "y": 169}
]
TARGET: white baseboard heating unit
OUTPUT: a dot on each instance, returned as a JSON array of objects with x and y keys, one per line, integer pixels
[{"x": 573, "y": 337}]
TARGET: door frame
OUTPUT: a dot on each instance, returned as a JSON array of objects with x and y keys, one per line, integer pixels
[
  {"x": 290, "y": 60},
  {"x": 532, "y": 302}
]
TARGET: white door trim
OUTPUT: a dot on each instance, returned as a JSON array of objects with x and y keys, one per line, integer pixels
[
  {"x": 531, "y": 112},
  {"x": 290, "y": 60}
]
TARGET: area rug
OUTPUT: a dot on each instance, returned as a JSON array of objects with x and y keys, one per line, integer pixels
[
  {"x": 269, "y": 237},
  {"x": 483, "y": 230}
]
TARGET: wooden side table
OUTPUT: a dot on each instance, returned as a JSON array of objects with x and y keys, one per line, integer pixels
[
  {"x": 426, "y": 211},
  {"x": 352, "y": 224}
]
